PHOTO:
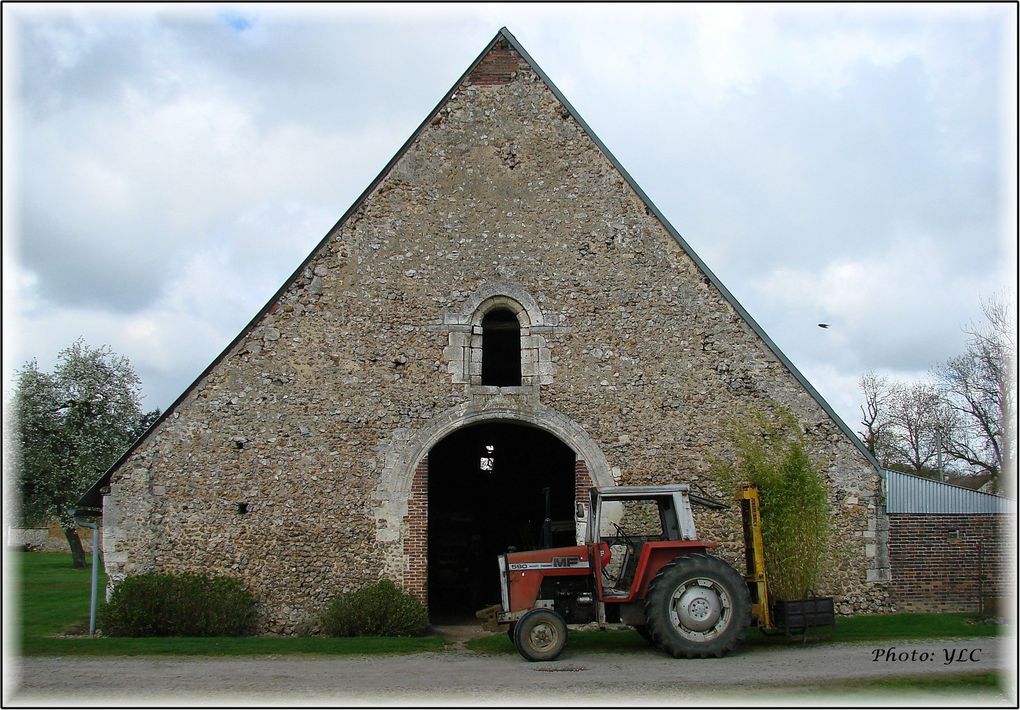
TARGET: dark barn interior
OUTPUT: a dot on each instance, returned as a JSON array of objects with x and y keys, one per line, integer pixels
[{"x": 486, "y": 493}]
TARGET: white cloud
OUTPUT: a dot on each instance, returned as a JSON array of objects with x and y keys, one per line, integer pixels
[
  {"x": 173, "y": 165},
  {"x": 142, "y": 183},
  {"x": 898, "y": 310}
]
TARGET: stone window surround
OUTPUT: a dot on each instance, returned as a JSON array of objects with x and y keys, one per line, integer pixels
[{"x": 463, "y": 353}]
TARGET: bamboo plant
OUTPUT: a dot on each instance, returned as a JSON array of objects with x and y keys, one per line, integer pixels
[{"x": 768, "y": 451}]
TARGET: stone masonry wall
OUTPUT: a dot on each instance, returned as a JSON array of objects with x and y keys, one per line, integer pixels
[
  {"x": 48, "y": 539},
  {"x": 948, "y": 562},
  {"x": 319, "y": 416}
]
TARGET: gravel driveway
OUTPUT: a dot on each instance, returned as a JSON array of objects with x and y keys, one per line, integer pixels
[{"x": 458, "y": 677}]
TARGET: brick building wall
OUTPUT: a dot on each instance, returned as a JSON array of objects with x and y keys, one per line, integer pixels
[{"x": 948, "y": 562}]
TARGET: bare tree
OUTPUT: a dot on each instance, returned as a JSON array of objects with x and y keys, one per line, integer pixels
[
  {"x": 903, "y": 423},
  {"x": 980, "y": 391},
  {"x": 916, "y": 423},
  {"x": 874, "y": 412},
  {"x": 965, "y": 421}
]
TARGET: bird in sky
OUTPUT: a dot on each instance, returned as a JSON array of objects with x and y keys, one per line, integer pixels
[{"x": 823, "y": 325}]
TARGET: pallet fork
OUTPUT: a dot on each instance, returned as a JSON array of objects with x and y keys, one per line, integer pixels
[
  {"x": 754, "y": 552},
  {"x": 773, "y": 616}
]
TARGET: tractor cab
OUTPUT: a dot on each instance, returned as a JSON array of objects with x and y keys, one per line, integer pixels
[{"x": 625, "y": 520}]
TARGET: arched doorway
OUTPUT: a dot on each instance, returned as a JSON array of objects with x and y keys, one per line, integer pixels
[{"x": 488, "y": 490}]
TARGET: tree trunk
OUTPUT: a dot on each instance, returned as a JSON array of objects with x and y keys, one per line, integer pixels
[{"x": 77, "y": 551}]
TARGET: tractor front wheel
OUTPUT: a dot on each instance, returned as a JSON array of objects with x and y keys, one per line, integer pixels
[
  {"x": 697, "y": 606},
  {"x": 540, "y": 635}
]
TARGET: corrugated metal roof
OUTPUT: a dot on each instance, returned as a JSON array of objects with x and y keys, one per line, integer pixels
[{"x": 905, "y": 493}]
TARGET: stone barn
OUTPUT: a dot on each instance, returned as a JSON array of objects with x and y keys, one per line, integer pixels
[{"x": 502, "y": 318}]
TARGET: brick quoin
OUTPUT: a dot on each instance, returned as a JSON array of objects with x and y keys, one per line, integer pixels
[
  {"x": 582, "y": 481},
  {"x": 948, "y": 562},
  {"x": 416, "y": 543}
]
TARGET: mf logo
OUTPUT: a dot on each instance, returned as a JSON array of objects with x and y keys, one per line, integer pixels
[{"x": 565, "y": 561}]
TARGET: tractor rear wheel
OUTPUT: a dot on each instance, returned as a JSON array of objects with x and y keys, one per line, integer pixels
[
  {"x": 540, "y": 635},
  {"x": 697, "y": 606}
]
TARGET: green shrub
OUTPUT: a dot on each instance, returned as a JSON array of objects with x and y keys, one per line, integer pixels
[
  {"x": 380, "y": 609},
  {"x": 179, "y": 605},
  {"x": 769, "y": 453}
]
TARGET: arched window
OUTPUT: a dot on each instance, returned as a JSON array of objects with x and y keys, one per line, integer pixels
[
  {"x": 500, "y": 341},
  {"x": 501, "y": 348}
]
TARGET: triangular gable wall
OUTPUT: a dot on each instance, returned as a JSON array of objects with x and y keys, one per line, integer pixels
[
  {"x": 694, "y": 256},
  {"x": 495, "y": 64}
]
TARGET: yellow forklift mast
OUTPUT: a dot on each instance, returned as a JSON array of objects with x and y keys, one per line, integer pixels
[{"x": 754, "y": 551}]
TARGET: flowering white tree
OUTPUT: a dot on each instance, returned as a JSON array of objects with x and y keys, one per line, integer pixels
[{"x": 69, "y": 427}]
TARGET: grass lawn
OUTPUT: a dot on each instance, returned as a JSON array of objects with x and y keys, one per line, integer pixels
[
  {"x": 54, "y": 599},
  {"x": 973, "y": 680},
  {"x": 975, "y": 688}
]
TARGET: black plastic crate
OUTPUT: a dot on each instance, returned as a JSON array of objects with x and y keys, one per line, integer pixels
[{"x": 801, "y": 614}]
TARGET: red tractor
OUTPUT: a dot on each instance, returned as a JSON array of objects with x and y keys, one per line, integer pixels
[{"x": 654, "y": 574}]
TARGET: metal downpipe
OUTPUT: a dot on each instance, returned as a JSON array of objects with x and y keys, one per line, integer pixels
[{"x": 95, "y": 571}]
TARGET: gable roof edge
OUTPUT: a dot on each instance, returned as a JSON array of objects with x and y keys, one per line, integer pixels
[
  {"x": 92, "y": 496},
  {"x": 730, "y": 298}
]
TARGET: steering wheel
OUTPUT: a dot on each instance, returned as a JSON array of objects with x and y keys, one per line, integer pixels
[{"x": 620, "y": 532}]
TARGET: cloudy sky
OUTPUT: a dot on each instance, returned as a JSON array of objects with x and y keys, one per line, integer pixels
[{"x": 166, "y": 168}]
